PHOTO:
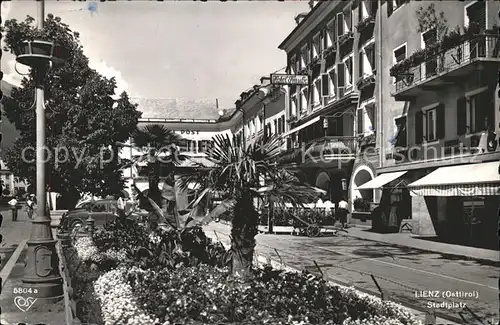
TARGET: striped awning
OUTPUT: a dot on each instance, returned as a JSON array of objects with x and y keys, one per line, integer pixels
[
  {"x": 381, "y": 180},
  {"x": 480, "y": 179}
]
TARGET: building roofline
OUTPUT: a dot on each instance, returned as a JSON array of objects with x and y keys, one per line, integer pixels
[{"x": 299, "y": 25}]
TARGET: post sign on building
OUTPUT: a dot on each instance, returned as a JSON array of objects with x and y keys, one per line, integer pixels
[{"x": 289, "y": 79}]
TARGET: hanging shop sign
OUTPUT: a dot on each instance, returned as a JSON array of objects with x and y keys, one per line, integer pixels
[{"x": 289, "y": 79}]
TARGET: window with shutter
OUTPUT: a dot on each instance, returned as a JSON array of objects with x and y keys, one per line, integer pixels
[
  {"x": 479, "y": 112},
  {"x": 390, "y": 7},
  {"x": 431, "y": 125},
  {"x": 370, "y": 55},
  {"x": 317, "y": 90},
  {"x": 293, "y": 65},
  {"x": 399, "y": 55},
  {"x": 372, "y": 7},
  {"x": 340, "y": 24},
  {"x": 461, "y": 116},
  {"x": 275, "y": 126},
  {"x": 332, "y": 83},
  {"x": 401, "y": 137},
  {"x": 340, "y": 75},
  {"x": 349, "y": 71},
  {"x": 360, "y": 116},
  {"x": 361, "y": 11},
  {"x": 293, "y": 106},
  {"x": 305, "y": 98},
  {"x": 282, "y": 124},
  {"x": 348, "y": 19},
  {"x": 361, "y": 58},
  {"x": 419, "y": 127},
  {"x": 477, "y": 13},
  {"x": 440, "y": 122},
  {"x": 325, "y": 80}
]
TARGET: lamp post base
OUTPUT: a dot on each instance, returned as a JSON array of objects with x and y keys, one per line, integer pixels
[{"x": 41, "y": 279}]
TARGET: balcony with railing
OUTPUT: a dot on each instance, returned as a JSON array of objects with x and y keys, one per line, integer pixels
[
  {"x": 325, "y": 150},
  {"x": 444, "y": 63}
]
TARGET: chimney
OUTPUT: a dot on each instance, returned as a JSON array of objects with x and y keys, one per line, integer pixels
[
  {"x": 217, "y": 103},
  {"x": 299, "y": 17}
]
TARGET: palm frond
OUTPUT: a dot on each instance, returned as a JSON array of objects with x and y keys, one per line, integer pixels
[
  {"x": 156, "y": 135},
  {"x": 159, "y": 213},
  {"x": 224, "y": 207}
]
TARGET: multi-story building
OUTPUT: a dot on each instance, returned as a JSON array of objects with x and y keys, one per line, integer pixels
[
  {"x": 334, "y": 44},
  {"x": 259, "y": 111},
  {"x": 400, "y": 109},
  {"x": 439, "y": 121}
]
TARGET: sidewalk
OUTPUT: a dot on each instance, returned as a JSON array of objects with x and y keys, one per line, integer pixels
[
  {"x": 408, "y": 240},
  {"x": 14, "y": 232},
  {"x": 411, "y": 241}
]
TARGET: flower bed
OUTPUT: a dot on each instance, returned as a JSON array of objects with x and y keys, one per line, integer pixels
[{"x": 173, "y": 277}]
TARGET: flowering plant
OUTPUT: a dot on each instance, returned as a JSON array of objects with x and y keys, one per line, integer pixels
[{"x": 118, "y": 305}]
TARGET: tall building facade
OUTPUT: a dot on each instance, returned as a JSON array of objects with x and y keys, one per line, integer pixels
[
  {"x": 402, "y": 111},
  {"x": 333, "y": 118},
  {"x": 439, "y": 139}
]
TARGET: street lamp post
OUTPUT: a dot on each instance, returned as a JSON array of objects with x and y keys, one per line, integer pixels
[{"x": 41, "y": 274}]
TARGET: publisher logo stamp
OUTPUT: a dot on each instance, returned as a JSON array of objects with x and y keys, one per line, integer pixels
[{"x": 24, "y": 304}]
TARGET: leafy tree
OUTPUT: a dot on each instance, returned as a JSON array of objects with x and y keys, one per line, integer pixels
[
  {"x": 161, "y": 157},
  {"x": 238, "y": 174},
  {"x": 81, "y": 116}
]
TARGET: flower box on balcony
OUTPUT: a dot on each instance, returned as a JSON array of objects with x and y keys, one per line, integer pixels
[
  {"x": 302, "y": 71},
  {"x": 368, "y": 21},
  {"x": 315, "y": 61},
  {"x": 450, "y": 41},
  {"x": 365, "y": 81},
  {"x": 366, "y": 141},
  {"x": 329, "y": 51},
  {"x": 346, "y": 38}
]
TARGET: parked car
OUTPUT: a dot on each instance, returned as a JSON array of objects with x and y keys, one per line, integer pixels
[{"x": 102, "y": 212}]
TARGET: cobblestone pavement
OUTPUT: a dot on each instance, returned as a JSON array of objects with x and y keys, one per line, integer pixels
[{"x": 403, "y": 272}]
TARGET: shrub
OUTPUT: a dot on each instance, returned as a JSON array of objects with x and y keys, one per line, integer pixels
[
  {"x": 82, "y": 278},
  {"x": 170, "y": 276},
  {"x": 211, "y": 295}
]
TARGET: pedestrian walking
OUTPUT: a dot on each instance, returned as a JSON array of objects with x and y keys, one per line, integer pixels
[
  {"x": 342, "y": 212},
  {"x": 30, "y": 205}
]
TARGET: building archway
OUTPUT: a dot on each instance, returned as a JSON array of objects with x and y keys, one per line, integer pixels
[
  {"x": 323, "y": 181},
  {"x": 362, "y": 175}
]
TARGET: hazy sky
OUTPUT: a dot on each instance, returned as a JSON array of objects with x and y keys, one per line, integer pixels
[{"x": 175, "y": 49}]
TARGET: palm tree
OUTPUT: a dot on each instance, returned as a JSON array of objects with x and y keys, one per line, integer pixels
[
  {"x": 239, "y": 173},
  {"x": 162, "y": 155}
]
